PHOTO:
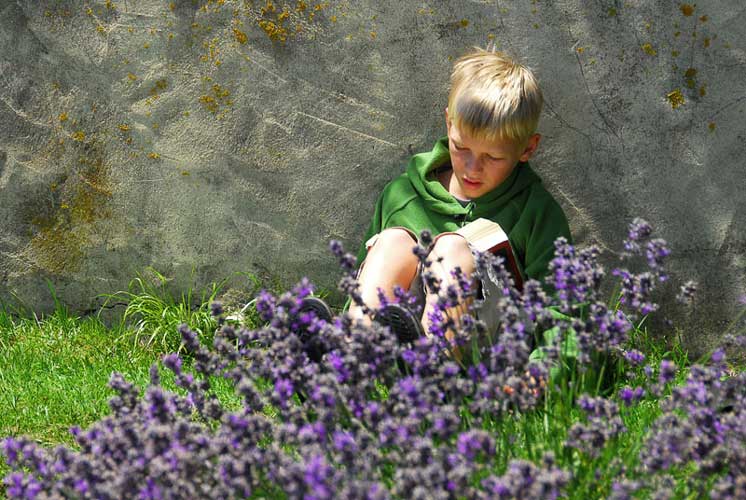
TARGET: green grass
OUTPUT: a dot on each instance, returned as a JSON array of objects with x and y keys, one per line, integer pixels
[
  {"x": 155, "y": 314},
  {"x": 54, "y": 369},
  {"x": 52, "y": 366},
  {"x": 54, "y": 372}
]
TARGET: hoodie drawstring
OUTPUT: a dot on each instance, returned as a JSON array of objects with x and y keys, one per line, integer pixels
[{"x": 469, "y": 215}]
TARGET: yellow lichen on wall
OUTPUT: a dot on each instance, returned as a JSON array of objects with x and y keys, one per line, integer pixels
[
  {"x": 648, "y": 49},
  {"x": 675, "y": 98},
  {"x": 217, "y": 99},
  {"x": 240, "y": 36},
  {"x": 56, "y": 250},
  {"x": 60, "y": 239},
  {"x": 280, "y": 21}
]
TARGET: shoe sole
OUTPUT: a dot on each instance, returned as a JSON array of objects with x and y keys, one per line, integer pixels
[
  {"x": 402, "y": 323},
  {"x": 314, "y": 348},
  {"x": 316, "y": 306}
]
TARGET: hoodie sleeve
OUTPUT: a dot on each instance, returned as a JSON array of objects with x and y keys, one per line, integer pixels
[{"x": 549, "y": 224}]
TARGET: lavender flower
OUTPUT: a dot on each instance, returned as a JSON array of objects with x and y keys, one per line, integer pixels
[
  {"x": 655, "y": 252},
  {"x": 637, "y": 290},
  {"x": 624, "y": 489},
  {"x": 575, "y": 275},
  {"x": 216, "y": 309},
  {"x": 629, "y": 395},
  {"x": 603, "y": 424},
  {"x": 346, "y": 260},
  {"x": 639, "y": 231},
  {"x": 667, "y": 371},
  {"x": 707, "y": 437},
  {"x": 22, "y": 486},
  {"x": 265, "y": 305},
  {"x": 523, "y": 480},
  {"x": 473, "y": 443},
  {"x": 686, "y": 293},
  {"x": 634, "y": 357}
]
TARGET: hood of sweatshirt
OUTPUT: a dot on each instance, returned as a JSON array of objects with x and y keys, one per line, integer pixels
[{"x": 438, "y": 199}]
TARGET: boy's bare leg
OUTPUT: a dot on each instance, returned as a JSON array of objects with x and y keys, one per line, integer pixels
[
  {"x": 454, "y": 251},
  {"x": 390, "y": 262}
]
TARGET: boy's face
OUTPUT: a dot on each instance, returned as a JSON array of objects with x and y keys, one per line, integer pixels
[{"x": 480, "y": 166}]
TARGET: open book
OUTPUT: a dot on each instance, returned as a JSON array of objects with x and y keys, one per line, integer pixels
[{"x": 488, "y": 236}]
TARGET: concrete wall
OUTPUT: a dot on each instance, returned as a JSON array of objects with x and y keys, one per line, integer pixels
[{"x": 207, "y": 137}]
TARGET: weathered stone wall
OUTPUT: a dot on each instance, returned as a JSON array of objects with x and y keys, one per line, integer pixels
[{"x": 222, "y": 136}]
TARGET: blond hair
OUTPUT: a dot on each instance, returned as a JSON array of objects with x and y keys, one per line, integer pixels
[{"x": 493, "y": 97}]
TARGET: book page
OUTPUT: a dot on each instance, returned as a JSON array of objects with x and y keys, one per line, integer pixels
[{"x": 483, "y": 234}]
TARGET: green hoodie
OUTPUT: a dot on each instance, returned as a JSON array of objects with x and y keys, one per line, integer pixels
[{"x": 530, "y": 216}]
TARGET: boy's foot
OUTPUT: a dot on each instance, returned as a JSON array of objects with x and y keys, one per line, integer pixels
[
  {"x": 316, "y": 306},
  {"x": 402, "y": 322},
  {"x": 312, "y": 344}
]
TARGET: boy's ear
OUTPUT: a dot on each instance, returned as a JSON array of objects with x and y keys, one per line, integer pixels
[
  {"x": 530, "y": 149},
  {"x": 448, "y": 122}
]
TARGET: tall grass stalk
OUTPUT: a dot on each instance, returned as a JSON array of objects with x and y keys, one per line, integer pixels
[{"x": 155, "y": 313}]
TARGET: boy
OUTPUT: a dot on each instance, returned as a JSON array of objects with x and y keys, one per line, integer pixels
[{"x": 479, "y": 170}]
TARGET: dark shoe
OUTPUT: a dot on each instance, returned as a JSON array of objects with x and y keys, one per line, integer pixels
[
  {"x": 402, "y": 322},
  {"x": 312, "y": 343},
  {"x": 316, "y": 306}
]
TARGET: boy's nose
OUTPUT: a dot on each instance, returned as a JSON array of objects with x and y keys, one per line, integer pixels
[{"x": 473, "y": 164}]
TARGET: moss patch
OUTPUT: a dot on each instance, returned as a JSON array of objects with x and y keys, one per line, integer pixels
[{"x": 61, "y": 238}]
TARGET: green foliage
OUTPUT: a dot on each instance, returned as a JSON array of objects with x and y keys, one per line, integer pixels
[
  {"x": 155, "y": 314},
  {"x": 54, "y": 371}
]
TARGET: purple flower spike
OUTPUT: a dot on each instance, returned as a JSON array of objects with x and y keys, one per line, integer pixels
[
  {"x": 265, "y": 305},
  {"x": 575, "y": 275},
  {"x": 11, "y": 449},
  {"x": 655, "y": 252},
  {"x": 639, "y": 231},
  {"x": 284, "y": 389},
  {"x": 303, "y": 289},
  {"x": 634, "y": 357},
  {"x": 318, "y": 479},
  {"x": 151, "y": 491},
  {"x": 346, "y": 260},
  {"x": 717, "y": 356},
  {"x": 382, "y": 299},
  {"x": 475, "y": 442},
  {"x": 22, "y": 486},
  {"x": 216, "y": 309},
  {"x": 173, "y": 362},
  {"x": 603, "y": 424},
  {"x": 626, "y": 395},
  {"x": 337, "y": 362},
  {"x": 667, "y": 371},
  {"x": 189, "y": 338},
  {"x": 686, "y": 293},
  {"x": 526, "y": 480},
  {"x": 629, "y": 395}
]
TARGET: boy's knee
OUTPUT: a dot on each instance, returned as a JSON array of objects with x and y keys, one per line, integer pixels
[
  {"x": 452, "y": 247},
  {"x": 395, "y": 239}
]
